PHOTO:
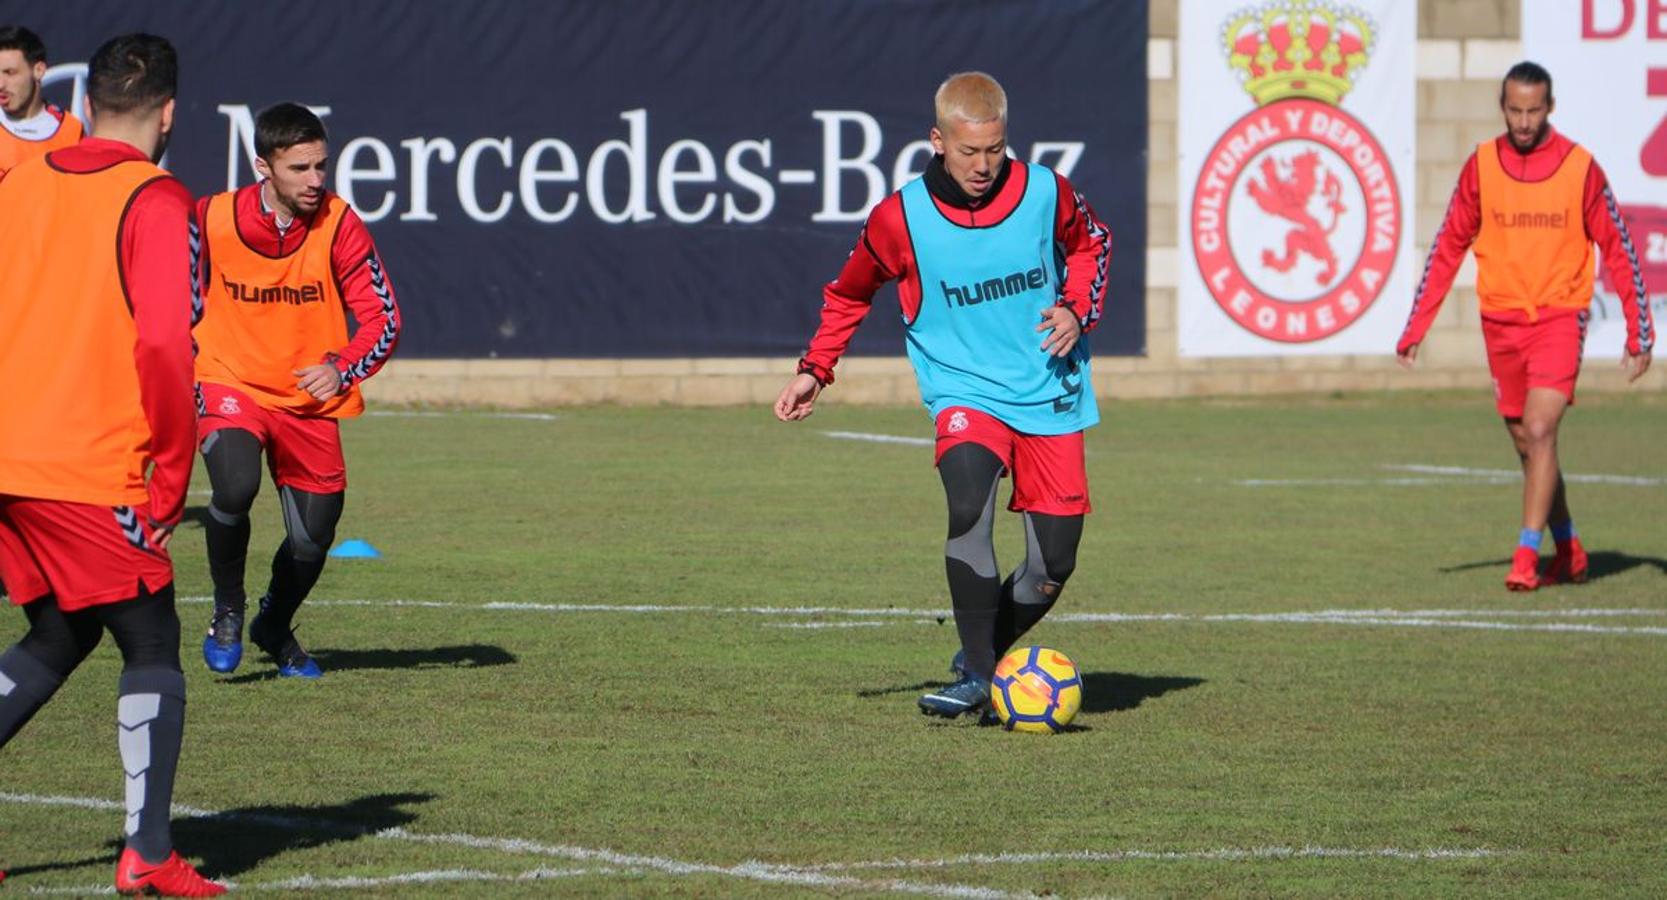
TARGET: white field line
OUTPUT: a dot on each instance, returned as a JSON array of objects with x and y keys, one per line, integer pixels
[
  {"x": 1364, "y": 482},
  {"x": 814, "y": 626},
  {"x": 1437, "y": 618},
  {"x": 312, "y": 882},
  {"x": 432, "y": 414},
  {"x": 748, "y": 871},
  {"x": 351, "y": 882},
  {"x": 1227, "y": 854},
  {"x": 1427, "y": 476},
  {"x": 881, "y": 438},
  {"x": 1388, "y": 618},
  {"x": 1588, "y": 612},
  {"x": 813, "y": 876}
]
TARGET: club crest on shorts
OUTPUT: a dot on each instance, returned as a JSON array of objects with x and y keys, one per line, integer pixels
[
  {"x": 957, "y": 422},
  {"x": 1296, "y": 216},
  {"x": 228, "y": 406}
]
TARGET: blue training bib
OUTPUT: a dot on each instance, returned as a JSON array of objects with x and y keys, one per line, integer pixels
[{"x": 983, "y": 290}]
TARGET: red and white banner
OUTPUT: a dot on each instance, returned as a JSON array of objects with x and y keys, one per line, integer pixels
[
  {"x": 1608, "y": 64},
  {"x": 1296, "y": 139}
]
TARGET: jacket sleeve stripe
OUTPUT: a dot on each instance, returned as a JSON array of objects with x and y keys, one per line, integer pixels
[
  {"x": 390, "y": 325},
  {"x": 1646, "y": 329}
]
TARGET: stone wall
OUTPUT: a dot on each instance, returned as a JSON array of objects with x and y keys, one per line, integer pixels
[{"x": 1464, "y": 47}]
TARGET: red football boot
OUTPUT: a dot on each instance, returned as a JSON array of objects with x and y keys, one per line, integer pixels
[
  {"x": 173, "y": 877},
  {"x": 1569, "y": 566},
  {"x": 1524, "y": 570}
]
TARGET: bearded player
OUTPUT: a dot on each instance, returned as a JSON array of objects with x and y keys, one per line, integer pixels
[{"x": 1531, "y": 203}]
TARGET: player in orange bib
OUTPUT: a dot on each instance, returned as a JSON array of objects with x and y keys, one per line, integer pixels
[
  {"x": 1531, "y": 203},
  {"x": 29, "y": 126},
  {"x": 286, "y": 263},
  {"x": 97, "y": 427}
]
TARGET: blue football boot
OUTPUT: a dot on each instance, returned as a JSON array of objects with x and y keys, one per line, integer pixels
[
  {"x": 285, "y": 650},
  {"x": 958, "y": 665},
  {"x": 970, "y": 694},
  {"x": 223, "y": 647}
]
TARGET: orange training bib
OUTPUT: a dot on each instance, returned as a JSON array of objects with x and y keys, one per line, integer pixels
[
  {"x": 14, "y": 150},
  {"x": 265, "y": 317},
  {"x": 1533, "y": 250},
  {"x": 71, "y": 427}
]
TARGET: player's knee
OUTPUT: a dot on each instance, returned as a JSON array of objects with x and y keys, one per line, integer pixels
[
  {"x": 233, "y": 496},
  {"x": 310, "y": 521},
  {"x": 971, "y": 533},
  {"x": 304, "y": 548},
  {"x": 1060, "y": 564},
  {"x": 965, "y": 513},
  {"x": 229, "y": 510},
  {"x": 1056, "y": 539},
  {"x": 1539, "y": 434},
  {"x": 57, "y": 641}
]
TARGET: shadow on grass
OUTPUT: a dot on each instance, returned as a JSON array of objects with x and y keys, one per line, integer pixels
[
  {"x": 1600, "y": 564},
  {"x": 234, "y": 841},
  {"x": 1117, "y": 691},
  {"x": 1101, "y": 691},
  {"x": 108, "y": 859},
  {"x": 918, "y": 687},
  {"x": 461, "y": 656}
]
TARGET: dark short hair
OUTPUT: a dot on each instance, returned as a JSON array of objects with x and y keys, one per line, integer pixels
[
  {"x": 132, "y": 73},
  {"x": 16, "y": 37},
  {"x": 1529, "y": 73},
  {"x": 283, "y": 126}
]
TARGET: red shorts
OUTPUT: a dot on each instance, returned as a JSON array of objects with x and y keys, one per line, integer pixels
[
  {"x": 1049, "y": 475},
  {"x": 80, "y": 553},
  {"x": 304, "y": 452},
  {"x": 1525, "y": 355}
]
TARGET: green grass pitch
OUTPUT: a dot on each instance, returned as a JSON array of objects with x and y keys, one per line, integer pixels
[{"x": 669, "y": 652}]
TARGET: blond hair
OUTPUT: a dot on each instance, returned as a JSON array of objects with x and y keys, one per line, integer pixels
[{"x": 971, "y": 97}]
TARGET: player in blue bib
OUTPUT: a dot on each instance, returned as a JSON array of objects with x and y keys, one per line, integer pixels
[{"x": 1001, "y": 270}]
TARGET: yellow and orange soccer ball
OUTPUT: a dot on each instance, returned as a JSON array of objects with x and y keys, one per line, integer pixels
[{"x": 1036, "y": 689}]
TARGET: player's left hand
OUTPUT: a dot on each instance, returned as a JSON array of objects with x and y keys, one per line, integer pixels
[
  {"x": 1635, "y": 366},
  {"x": 1063, "y": 330},
  {"x": 322, "y": 381}
]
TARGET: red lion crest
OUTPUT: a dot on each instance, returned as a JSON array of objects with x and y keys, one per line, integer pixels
[{"x": 1286, "y": 196}]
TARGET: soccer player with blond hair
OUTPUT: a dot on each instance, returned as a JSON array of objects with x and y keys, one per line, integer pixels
[{"x": 1001, "y": 269}]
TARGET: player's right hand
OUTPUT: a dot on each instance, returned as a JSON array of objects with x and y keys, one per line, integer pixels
[
  {"x": 160, "y": 535},
  {"x": 798, "y": 400},
  {"x": 1408, "y": 356}
]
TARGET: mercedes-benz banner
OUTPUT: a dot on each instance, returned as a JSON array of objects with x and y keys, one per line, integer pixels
[{"x": 642, "y": 177}]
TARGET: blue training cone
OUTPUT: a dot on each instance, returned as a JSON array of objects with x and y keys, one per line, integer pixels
[{"x": 353, "y": 548}]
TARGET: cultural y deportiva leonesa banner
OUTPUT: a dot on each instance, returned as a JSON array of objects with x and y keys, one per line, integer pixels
[
  {"x": 578, "y": 178},
  {"x": 1608, "y": 64},
  {"x": 1296, "y": 162}
]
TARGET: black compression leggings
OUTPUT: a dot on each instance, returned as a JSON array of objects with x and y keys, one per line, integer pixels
[{"x": 145, "y": 628}]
